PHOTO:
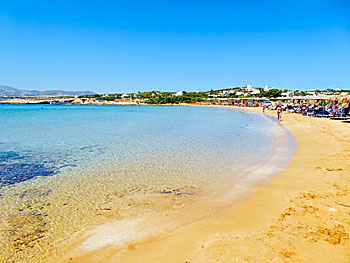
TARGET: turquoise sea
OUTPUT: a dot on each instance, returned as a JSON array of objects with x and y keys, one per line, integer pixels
[{"x": 65, "y": 168}]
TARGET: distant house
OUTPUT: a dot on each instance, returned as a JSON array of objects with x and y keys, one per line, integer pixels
[
  {"x": 254, "y": 91},
  {"x": 179, "y": 93},
  {"x": 248, "y": 88},
  {"x": 251, "y": 90},
  {"x": 124, "y": 96},
  {"x": 267, "y": 88},
  {"x": 288, "y": 93}
]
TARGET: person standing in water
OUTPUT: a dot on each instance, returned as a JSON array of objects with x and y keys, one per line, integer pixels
[{"x": 279, "y": 112}]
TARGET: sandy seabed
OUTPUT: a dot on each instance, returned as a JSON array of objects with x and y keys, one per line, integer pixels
[{"x": 301, "y": 215}]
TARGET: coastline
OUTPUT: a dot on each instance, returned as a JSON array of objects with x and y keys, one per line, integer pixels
[
  {"x": 95, "y": 209},
  {"x": 301, "y": 215},
  {"x": 116, "y": 236}
]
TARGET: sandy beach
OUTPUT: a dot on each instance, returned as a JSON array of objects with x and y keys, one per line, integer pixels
[
  {"x": 174, "y": 131},
  {"x": 301, "y": 215}
]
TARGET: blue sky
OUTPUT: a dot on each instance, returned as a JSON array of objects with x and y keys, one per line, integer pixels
[{"x": 129, "y": 46}]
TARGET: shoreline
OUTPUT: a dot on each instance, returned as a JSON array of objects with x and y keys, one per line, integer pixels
[
  {"x": 107, "y": 206},
  {"x": 103, "y": 237},
  {"x": 301, "y": 215},
  {"x": 298, "y": 214}
]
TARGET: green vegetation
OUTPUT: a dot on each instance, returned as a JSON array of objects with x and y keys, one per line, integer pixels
[
  {"x": 272, "y": 93},
  {"x": 157, "y": 97},
  {"x": 190, "y": 97},
  {"x": 300, "y": 93}
]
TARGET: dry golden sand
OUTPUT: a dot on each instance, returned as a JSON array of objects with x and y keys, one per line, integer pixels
[{"x": 301, "y": 215}]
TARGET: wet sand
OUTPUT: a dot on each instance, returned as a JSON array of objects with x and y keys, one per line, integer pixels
[{"x": 301, "y": 215}]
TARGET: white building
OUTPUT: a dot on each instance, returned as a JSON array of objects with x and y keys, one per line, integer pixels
[
  {"x": 248, "y": 88},
  {"x": 254, "y": 91},
  {"x": 288, "y": 93},
  {"x": 267, "y": 88},
  {"x": 225, "y": 92},
  {"x": 179, "y": 93},
  {"x": 251, "y": 90}
]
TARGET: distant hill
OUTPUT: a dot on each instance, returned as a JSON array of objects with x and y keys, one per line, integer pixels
[{"x": 6, "y": 91}]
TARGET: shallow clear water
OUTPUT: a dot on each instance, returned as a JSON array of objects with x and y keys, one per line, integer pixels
[
  {"x": 57, "y": 139},
  {"x": 64, "y": 167}
]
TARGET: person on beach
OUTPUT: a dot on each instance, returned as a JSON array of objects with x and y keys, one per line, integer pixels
[
  {"x": 279, "y": 112},
  {"x": 347, "y": 110},
  {"x": 264, "y": 107},
  {"x": 303, "y": 108},
  {"x": 335, "y": 109}
]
